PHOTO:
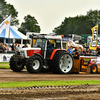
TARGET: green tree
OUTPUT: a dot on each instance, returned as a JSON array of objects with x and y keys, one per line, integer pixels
[
  {"x": 83, "y": 25},
  {"x": 63, "y": 28},
  {"x": 75, "y": 25},
  {"x": 94, "y": 16},
  {"x": 30, "y": 25},
  {"x": 6, "y": 10},
  {"x": 67, "y": 26}
]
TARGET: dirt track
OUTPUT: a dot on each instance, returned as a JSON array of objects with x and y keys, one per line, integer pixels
[
  {"x": 7, "y": 75},
  {"x": 55, "y": 93}
]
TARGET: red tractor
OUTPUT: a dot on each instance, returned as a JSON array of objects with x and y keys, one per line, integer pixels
[{"x": 47, "y": 52}]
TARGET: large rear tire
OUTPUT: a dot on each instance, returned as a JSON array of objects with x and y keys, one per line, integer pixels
[
  {"x": 16, "y": 66},
  {"x": 34, "y": 64},
  {"x": 62, "y": 63}
]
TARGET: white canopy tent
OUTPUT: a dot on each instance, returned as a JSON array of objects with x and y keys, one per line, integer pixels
[{"x": 12, "y": 34}]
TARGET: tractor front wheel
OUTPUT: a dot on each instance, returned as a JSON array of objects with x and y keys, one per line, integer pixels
[
  {"x": 16, "y": 66},
  {"x": 34, "y": 64}
]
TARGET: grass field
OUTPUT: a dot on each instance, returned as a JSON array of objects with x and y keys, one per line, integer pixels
[
  {"x": 4, "y": 65},
  {"x": 42, "y": 83},
  {"x": 47, "y": 83}
]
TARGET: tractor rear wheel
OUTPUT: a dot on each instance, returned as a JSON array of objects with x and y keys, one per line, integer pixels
[
  {"x": 16, "y": 66},
  {"x": 94, "y": 69},
  {"x": 62, "y": 63},
  {"x": 34, "y": 64}
]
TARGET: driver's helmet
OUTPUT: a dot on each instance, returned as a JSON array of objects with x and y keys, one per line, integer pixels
[{"x": 52, "y": 41}]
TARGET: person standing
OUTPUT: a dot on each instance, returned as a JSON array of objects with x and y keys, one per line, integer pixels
[
  {"x": 83, "y": 52},
  {"x": 76, "y": 53},
  {"x": 10, "y": 49},
  {"x": 1, "y": 48},
  {"x": 70, "y": 50},
  {"x": 13, "y": 47},
  {"x": 18, "y": 47},
  {"x": 6, "y": 47},
  {"x": 25, "y": 46}
]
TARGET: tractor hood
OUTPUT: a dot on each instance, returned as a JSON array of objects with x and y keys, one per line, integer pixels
[
  {"x": 26, "y": 52},
  {"x": 34, "y": 48}
]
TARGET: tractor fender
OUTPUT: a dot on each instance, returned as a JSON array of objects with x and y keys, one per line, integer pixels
[
  {"x": 40, "y": 56},
  {"x": 54, "y": 51},
  {"x": 90, "y": 64}
]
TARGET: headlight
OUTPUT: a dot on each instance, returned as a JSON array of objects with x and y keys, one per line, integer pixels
[
  {"x": 17, "y": 53},
  {"x": 22, "y": 53}
]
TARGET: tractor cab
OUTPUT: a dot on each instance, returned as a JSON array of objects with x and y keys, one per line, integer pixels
[
  {"x": 52, "y": 44},
  {"x": 40, "y": 43},
  {"x": 47, "y": 45}
]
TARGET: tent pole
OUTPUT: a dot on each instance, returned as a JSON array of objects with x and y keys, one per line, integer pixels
[
  {"x": 3, "y": 41},
  {"x": 9, "y": 40},
  {"x": 14, "y": 40},
  {"x": 9, "y": 36},
  {"x": 21, "y": 42},
  {"x": 30, "y": 43}
]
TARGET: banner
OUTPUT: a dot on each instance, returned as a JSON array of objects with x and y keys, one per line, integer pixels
[
  {"x": 94, "y": 40},
  {"x": 5, "y": 27},
  {"x": 5, "y": 57}
]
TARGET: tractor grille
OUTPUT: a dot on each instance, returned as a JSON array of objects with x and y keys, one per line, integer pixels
[{"x": 22, "y": 53}]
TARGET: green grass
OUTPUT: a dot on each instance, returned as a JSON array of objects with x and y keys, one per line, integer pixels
[
  {"x": 4, "y": 62},
  {"x": 4, "y": 65},
  {"x": 47, "y": 83},
  {"x": 42, "y": 83}
]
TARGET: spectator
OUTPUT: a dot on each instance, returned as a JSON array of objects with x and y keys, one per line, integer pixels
[
  {"x": 79, "y": 49},
  {"x": 70, "y": 50},
  {"x": 6, "y": 47},
  {"x": 98, "y": 51},
  {"x": 90, "y": 50},
  {"x": 1, "y": 48},
  {"x": 76, "y": 53},
  {"x": 94, "y": 52},
  {"x": 25, "y": 46},
  {"x": 87, "y": 52},
  {"x": 13, "y": 47},
  {"x": 18, "y": 47},
  {"x": 83, "y": 52},
  {"x": 73, "y": 51},
  {"x": 10, "y": 49}
]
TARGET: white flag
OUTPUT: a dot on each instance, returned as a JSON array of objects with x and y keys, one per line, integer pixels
[
  {"x": 5, "y": 27},
  {"x": 6, "y": 23}
]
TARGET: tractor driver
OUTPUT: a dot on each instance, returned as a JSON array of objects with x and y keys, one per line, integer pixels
[{"x": 49, "y": 45}]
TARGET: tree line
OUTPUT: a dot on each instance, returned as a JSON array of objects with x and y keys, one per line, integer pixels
[{"x": 80, "y": 24}]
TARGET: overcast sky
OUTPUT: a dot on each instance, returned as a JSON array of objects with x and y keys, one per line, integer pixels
[{"x": 50, "y": 13}]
